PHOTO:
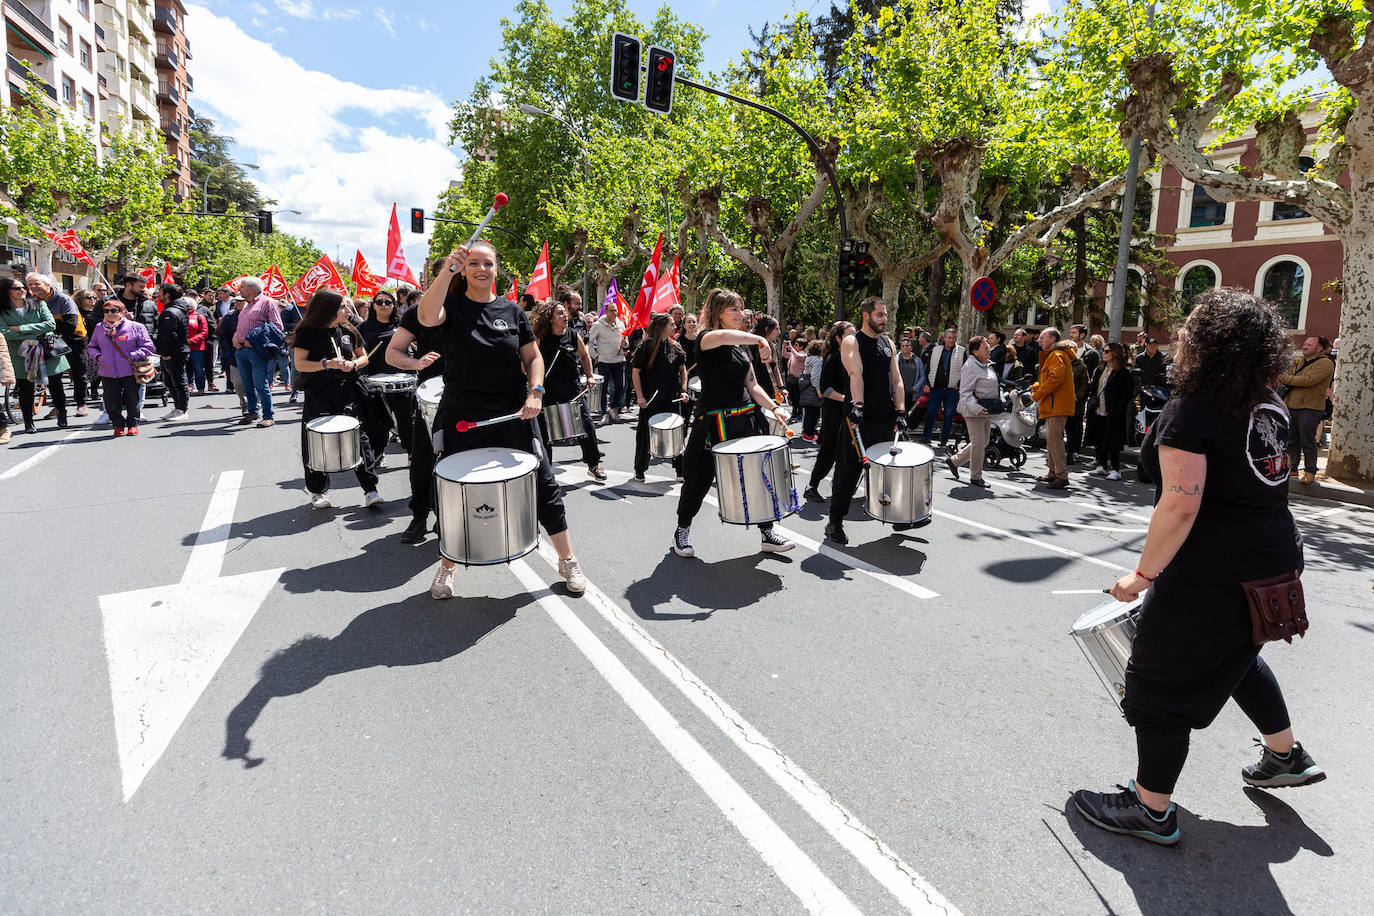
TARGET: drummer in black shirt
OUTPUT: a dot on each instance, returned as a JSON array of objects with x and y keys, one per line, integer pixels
[
  {"x": 388, "y": 410},
  {"x": 876, "y": 406},
  {"x": 835, "y": 398},
  {"x": 729, "y": 397},
  {"x": 427, "y": 359},
  {"x": 492, "y": 367},
  {"x": 329, "y": 353},
  {"x": 659, "y": 375},
  {"x": 565, "y": 353}
]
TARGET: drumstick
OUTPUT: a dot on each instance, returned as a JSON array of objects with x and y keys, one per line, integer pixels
[
  {"x": 335, "y": 344},
  {"x": 464, "y": 425},
  {"x": 500, "y": 201},
  {"x": 859, "y": 441},
  {"x": 374, "y": 349}
]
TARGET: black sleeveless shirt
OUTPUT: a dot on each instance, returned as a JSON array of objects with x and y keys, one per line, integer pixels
[
  {"x": 875, "y": 356},
  {"x": 561, "y": 366},
  {"x": 722, "y": 371}
]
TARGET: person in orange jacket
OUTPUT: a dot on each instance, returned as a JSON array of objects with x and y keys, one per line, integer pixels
[{"x": 1054, "y": 394}]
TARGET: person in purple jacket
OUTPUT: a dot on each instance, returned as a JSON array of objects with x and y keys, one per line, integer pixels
[{"x": 116, "y": 344}]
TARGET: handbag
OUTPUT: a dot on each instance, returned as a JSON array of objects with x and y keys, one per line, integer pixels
[
  {"x": 1278, "y": 609},
  {"x": 992, "y": 405},
  {"x": 54, "y": 347},
  {"x": 144, "y": 370}
]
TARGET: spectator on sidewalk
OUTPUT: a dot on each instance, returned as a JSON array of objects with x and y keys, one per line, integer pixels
[
  {"x": 942, "y": 375},
  {"x": 1111, "y": 397},
  {"x": 199, "y": 341},
  {"x": 71, "y": 327},
  {"x": 979, "y": 388},
  {"x": 1057, "y": 400},
  {"x": 255, "y": 368},
  {"x": 228, "y": 355},
  {"x": 174, "y": 346},
  {"x": 1307, "y": 380},
  {"x": 26, "y": 323},
  {"x": 207, "y": 310},
  {"x": 115, "y": 345},
  {"x": 7, "y": 380},
  {"x": 1082, "y": 378},
  {"x": 997, "y": 350},
  {"x": 607, "y": 342},
  {"x": 1027, "y": 352},
  {"x": 913, "y": 371},
  {"x": 1153, "y": 365}
]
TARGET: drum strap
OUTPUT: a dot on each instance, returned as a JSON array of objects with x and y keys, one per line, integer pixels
[{"x": 718, "y": 417}]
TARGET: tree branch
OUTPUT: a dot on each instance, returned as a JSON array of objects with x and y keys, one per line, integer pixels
[
  {"x": 1042, "y": 230},
  {"x": 708, "y": 202}
]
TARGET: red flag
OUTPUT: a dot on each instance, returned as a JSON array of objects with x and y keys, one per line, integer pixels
[
  {"x": 149, "y": 275},
  {"x": 274, "y": 284},
  {"x": 234, "y": 283},
  {"x": 666, "y": 295},
  {"x": 645, "y": 300},
  {"x": 167, "y": 274},
  {"x": 322, "y": 273},
  {"x": 623, "y": 313},
  {"x": 364, "y": 279},
  {"x": 69, "y": 243},
  {"x": 396, "y": 266},
  {"x": 513, "y": 294},
  {"x": 538, "y": 287}
]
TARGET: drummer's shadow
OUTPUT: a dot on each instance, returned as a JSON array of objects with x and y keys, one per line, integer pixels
[
  {"x": 1239, "y": 859},
  {"x": 416, "y": 631},
  {"x": 702, "y": 585},
  {"x": 384, "y": 564}
]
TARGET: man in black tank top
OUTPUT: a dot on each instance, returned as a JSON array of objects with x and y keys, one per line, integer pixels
[{"x": 876, "y": 406}]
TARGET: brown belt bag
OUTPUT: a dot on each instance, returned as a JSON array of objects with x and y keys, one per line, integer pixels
[{"x": 1277, "y": 608}]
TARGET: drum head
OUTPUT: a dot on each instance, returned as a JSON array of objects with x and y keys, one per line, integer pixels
[
  {"x": 666, "y": 421},
  {"x": 1104, "y": 616},
  {"x": 431, "y": 389},
  {"x": 694, "y": 386},
  {"x": 750, "y": 445},
  {"x": 486, "y": 465},
  {"x": 334, "y": 423},
  {"x": 909, "y": 454},
  {"x": 392, "y": 378}
]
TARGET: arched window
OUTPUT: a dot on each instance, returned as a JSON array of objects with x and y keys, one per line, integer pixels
[
  {"x": 1283, "y": 286},
  {"x": 1144, "y": 201},
  {"x": 1206, "y": 210},
  {"x": 1292, "y": 211},
  {"x": 1130, "y": 315},
  {"x": 1198, "y": 280}
]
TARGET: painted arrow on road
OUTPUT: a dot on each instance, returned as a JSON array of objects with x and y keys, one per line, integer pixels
[{"x": 164, "y": 644}]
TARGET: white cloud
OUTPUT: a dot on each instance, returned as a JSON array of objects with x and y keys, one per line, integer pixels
[
  {"x": 305, "y": 9},
  {"x": 388, "y": 21},
  {"x": 295, "y": 124}
]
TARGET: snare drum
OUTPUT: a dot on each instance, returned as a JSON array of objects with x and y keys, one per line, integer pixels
[
  {"x": 776, "y": 428},
  {"x": 754, "y": 480},
  {"x": 485, "y": 500},
  {"x": 899, "y": 482},
  {"x": 694, "y": 389},
  {"x": 333, "y": 443},
  {"x": 594, "y": 394},
  {"x": 389, "y": 383},
  {"x": 1105, "y": 635},
  {"x": 564, "y": 422},
  {"x": 667, "y": 435},
  {"x": 428, "y": 396}
]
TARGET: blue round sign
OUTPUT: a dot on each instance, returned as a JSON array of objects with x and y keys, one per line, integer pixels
[{"x": 983, "y": 294}]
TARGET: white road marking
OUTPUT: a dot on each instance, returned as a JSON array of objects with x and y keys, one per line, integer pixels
[
  {"x": 793, "y": 866},
  {"x": 880, "y": 860},
  {"x": 42, "y": 456},
  {"x": 1325, "y": 513},
  {"x": 1079, "y": 591},
  {"x": 163, "y": 645},
  {"x": 1036, "y": 542},
  {"x": 1112, "y": 528}
]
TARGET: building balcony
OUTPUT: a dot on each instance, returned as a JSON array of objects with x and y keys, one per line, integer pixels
[
  {"x": 31, "y": 25},
  {"x": 139, "y": 23},
  {"x": 167, "y": 93},
  {"x": 100, "y": 44},
  {"x": 28, "y": 72},
  {"x": 190, "y": 83},
  {"x": 185, "y": 47},
  {"x": 102, "y": 86},
  {"x": 140, "y": 61},
  {"x": 112, "y": 20},
  {"x": 167, "y": 57},
  {"x": 171, "y": 129},
  {"x": 164, "y": 20},
  {"x": 142, "y": 102}
]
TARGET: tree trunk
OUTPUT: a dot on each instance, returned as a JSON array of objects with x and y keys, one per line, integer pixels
[
  {"x": 772, "y": 286},
  {"x": 933, "y": 294},
  {"x": 42, "y": 257},
  {"x": 892, "y": 291},
  {"x": 1080, "y": 269},
  {"x": 973, "y": 265},
  {"x": 1351, "y": 459}
]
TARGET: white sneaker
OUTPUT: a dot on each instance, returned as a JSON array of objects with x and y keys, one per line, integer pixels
[
  {"x": 682, "y": 544},
  {"x": 320, "y": 501},
  {"x": 102, "y": 420},
  {"x": 442, "y": 586},
  {"x": 571, "y": 570},
  {"x": 372, "y": 499},
  {"x": 1114, "y": 475},
  {"x": 174, "y": 416},
  {"x": 1098, "y": 471},
  {"x": 775, "y": 543}
]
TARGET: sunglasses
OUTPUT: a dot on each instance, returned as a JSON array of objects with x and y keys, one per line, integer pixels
[
  {"x": 383, "y": 302},
  {"x": 112, "y": 311}
]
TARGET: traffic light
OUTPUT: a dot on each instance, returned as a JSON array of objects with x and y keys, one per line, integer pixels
[
  {"x": 265, "y": 221},
  {"x": 417, "y": 220},
  {"x": 658, "y": 85},
  {"x": 625, "y": 67},
  {"x": 855, "y": 264}
]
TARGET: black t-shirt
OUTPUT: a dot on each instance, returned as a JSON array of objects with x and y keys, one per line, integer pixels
[
  {"x": 562, "y": 367},
  {"x": 427, "y": 340},
  {"x": 834, "y": 375},
  {"x": 483, "y": 373},
  {"x": 722, "y": 371},
  {"x": 689, "y": 347},
  {"x": 319, "y": 344},
  {"x": 664, "y": 378},
  {"x": 1243, "y": 530},
  {"x": 376, "y": 332},
  {"x": 875, "y": 359}
]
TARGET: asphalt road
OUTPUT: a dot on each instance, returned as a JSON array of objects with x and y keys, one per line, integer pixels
[{"x": 218, "y": 699}]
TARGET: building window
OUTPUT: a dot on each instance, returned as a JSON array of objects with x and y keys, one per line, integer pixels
[
  {"x": 69, "y": 90},
  {"x": 1196, "y": 281},
  {"x": 88, "y": 104},
  {"x": 1206, "y": 210},
  {"x": 64, "y": 35},
  {"x": 84, "y": 8},
  {"x": 85, "y": 54},
  {"x": 1283, "y": 286},
  {"x": 1292, "y": 211},
  {"x": 1130, "y": 312}
]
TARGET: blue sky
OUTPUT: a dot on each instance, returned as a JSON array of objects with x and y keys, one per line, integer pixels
[{"x": 343, "y": 104}]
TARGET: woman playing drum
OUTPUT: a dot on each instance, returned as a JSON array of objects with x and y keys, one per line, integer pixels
[
  {"x": 492, "y": 368},
  {"x": 730, "y": 398},
  {"x": 329, "y": 352},
  {"x": 566, "y": 356},
  {"x": 387, "y": 410},
  {"x": 659, "y": 376}
]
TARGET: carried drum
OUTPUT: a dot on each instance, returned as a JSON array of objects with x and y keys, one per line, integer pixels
[
  {"x": 899, "y": 482},
  {"x": 564, "y": 421},
  {"x": 777, "y": 428},
  {"x": 667, "y": 435},
  {"x": 594, "y": 393},
  {"x": 694, "y": 389},
  {"x": 428, "y": 396},
  {"x": 485, "y": 500},
  {"x": 1105, "y": 634},
  {"x": 333, "y": 443},
  {"x": 754, "y": 480},
  {"x": 389, "y": 383}
]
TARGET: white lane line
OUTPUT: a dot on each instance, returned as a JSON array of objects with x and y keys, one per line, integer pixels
[
  {"x": 45, "y": 454},
  {"x": 1035, "y": 542},
  {"x": 793, "y": 866},
  {"x": 1325, "y": 513},
  {"x": 1112, "y": 528},
  {"x": 880, "y": 860},
  {"x": 1080, "y": 591},
  {"x": 207, "y": 556}
]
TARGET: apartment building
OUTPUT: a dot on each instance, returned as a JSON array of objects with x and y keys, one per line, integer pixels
[
  {"x": 52, "y": 45},
  {"x": 171, "y": 55}
]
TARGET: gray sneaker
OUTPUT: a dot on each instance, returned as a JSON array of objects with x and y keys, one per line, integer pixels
[{"x": 1296, "y": 768}]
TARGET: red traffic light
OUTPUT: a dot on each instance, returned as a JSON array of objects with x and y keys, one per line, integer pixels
[
  {"x": 665, "y": 64},
  {"x": 417, "y": 220}
]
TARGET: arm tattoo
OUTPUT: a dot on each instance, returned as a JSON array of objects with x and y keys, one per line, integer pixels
[{"x": 1196, "y": 490}]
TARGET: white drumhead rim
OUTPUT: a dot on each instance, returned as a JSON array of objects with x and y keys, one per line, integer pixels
[
  {"x": 751, "y": 445},
  {"x": 391, "y": 377},
  {"x": 431, "y": 389},
  {"x": 1100, "y": 618},
  {"x": 666, "y": 421},
  {"x": 909, "y": 454},
  {"x": 486, "y": 465},
  {"x": 332, "y": 423}
]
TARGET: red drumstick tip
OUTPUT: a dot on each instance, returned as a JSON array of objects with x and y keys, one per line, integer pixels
[
  {"x": 500, "y": 201},
  {"x": 464, "y": 425}
]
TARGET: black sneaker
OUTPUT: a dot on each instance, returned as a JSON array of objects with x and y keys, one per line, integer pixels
[
  {"x": 415, "y": 532},
  {"x": 813, "y": 494},
  {"x": 835, "y": 532},
  {"x": 1274, "y": 772},
  {"x": 682, "y": 544},
  {"x": 953, "y": 468},
  {"x": 1123, "y": 812},
  {"x": 774, "y": 542}
]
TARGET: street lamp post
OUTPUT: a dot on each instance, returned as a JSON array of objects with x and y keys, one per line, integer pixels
[{"x": 586, "y": 174}]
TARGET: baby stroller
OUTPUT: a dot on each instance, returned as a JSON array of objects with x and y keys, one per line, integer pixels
[
  {"x": 1009, "y": 429},
  {"x": 157, "y": 388}
]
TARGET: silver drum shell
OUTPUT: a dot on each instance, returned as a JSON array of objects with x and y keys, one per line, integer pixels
[
  {"x": 564, "y": 421},
  {"x": 898, "y": 494},
  {"x": 333, "y": 445},
  {"x": 488, "y": 521},
  {"x": 427, "y": 396},
  {"x": 1105, "y": 635},
  {"x": 758, "y": 455},
  {"x": 667, "y": 439},
  {"x": 594, "y": 393}
]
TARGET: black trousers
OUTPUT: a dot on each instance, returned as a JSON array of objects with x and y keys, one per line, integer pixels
[
  {"x": 174, "y": 376},
  {"x": 832, "y": 423},
  {"x": 25, "y": 391},
  {"x": 381, "y": 408},
  {"x": 698, "y": 473},
  {"x": 321, "y": 400},
  {"x": 121, "y": 401},
  {"x": 642, "y": 434},
  {"x": 421, "y": 467},
  {"x": 591, "y": 452},
  {"x": 520, "y": 435},
  {"x": 1302, "y": 438},
  {"x": 76, "y": 362},
  {"x": 1073, "y": 428},
  {"x": 849, "y": 467},
  {"x": 1192, "y": 652}
]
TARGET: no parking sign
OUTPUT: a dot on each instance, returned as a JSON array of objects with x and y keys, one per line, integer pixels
[{"x": 983, "y": 294}]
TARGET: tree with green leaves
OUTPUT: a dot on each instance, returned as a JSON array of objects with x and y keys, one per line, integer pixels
[{"x": 230, "y": 189}]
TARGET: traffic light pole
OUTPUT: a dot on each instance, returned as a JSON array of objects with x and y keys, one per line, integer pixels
[{"x": 815, "y": 151}]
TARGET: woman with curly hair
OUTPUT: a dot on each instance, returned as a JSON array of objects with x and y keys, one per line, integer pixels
[
  {"x": 1221, "y": 519},
  {"x": 565, "y": 358}
]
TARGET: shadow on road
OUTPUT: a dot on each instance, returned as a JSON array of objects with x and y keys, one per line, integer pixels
[
  {"x": 416, "y": 631},
  {"x": 723, "y": 585},
  {"x": 1031, "y": 569},
  {"x": 1224, "y": 867}
]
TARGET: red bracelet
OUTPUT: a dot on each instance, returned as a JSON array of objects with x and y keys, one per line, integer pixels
[{"x": 1143, "y": 576}]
